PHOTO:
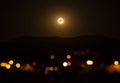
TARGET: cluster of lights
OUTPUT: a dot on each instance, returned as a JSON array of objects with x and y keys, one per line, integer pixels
[
  {"x": 66, "y": 64},
  {"x": 8, "y": 65},
  {"x": 88, "y": 62},
  {"x": 51, "y": 68}
]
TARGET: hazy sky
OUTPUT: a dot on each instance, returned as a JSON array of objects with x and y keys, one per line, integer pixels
[{"x": 38, "y": 18}]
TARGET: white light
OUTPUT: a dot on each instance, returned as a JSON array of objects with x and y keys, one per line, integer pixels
[
  {"x": 65, "y": 64},
  {"x": 60, "y": 20},
  {"x": 89, "y": 62}
]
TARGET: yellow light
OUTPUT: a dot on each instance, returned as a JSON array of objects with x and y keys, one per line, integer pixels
[
  {"x": 51, "y": 68},
  {"x": 69, "y": 63},
  {"x": 17, "y": 65},
  {"x": 11, "y": 62},
  {"x": 8, "y": 66},
  {"x": 68, "y": 56},
  {"x": 89, "y": 62},
  {"x": 65, "y": 64},
  {"x": 116, "y": 63},
  {"x": 56, "y": 68},
  {"x": 52, "y": 57},
  {"x": 3, "y": 64},
  {"x": 60, "y": 20}
]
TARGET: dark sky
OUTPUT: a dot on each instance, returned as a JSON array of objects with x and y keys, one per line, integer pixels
[{"x": 38, "y": 18}]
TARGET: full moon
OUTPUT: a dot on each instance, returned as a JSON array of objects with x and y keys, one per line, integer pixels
[{"x": 60, "y": 20}]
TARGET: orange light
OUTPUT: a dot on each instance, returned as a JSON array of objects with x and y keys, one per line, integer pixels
[
  {"x": 52, "y": 57},
  {"x": 3, "y": 64},
  {"x": 69, "y": 63},
  {"x": 68, "y": 56},
  {"x": 34, "y": 63}
]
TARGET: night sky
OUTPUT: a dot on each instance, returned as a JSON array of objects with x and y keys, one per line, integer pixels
[{"x": 38, "y": 18}]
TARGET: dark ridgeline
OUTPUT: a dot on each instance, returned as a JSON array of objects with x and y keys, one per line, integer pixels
[{"x": 41, "y": 47}]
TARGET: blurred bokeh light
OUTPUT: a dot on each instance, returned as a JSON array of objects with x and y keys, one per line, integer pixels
[
  {"x": 69, "y": 63},
  {"x": 34, "y": 63},
  {"x": 52, "y": 57},
  {"x": 116, "y": 63},
  {"x": 68, "y": 56},
  {"x": 89, "y": 62},
  {"x": 3, "y": 64},
  {"x": 17, "y": 65},
  {"x": 8, "y": 66},
  {"x": 65, "y": 64},
  {"x": 51, "y": 68},
  {"x": 56, "y": 68},
  {"x": 11, "y": 62}
]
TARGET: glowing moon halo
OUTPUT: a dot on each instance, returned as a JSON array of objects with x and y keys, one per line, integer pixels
[{"x": 60, "y": 20}]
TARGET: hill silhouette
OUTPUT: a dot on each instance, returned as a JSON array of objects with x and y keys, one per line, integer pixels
[
  {"x": 58, "y": 42},
  {"x": 30, "y": 46}
]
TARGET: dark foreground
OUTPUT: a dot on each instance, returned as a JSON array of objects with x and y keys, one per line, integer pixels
[{"x": 28, "y": 77}]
